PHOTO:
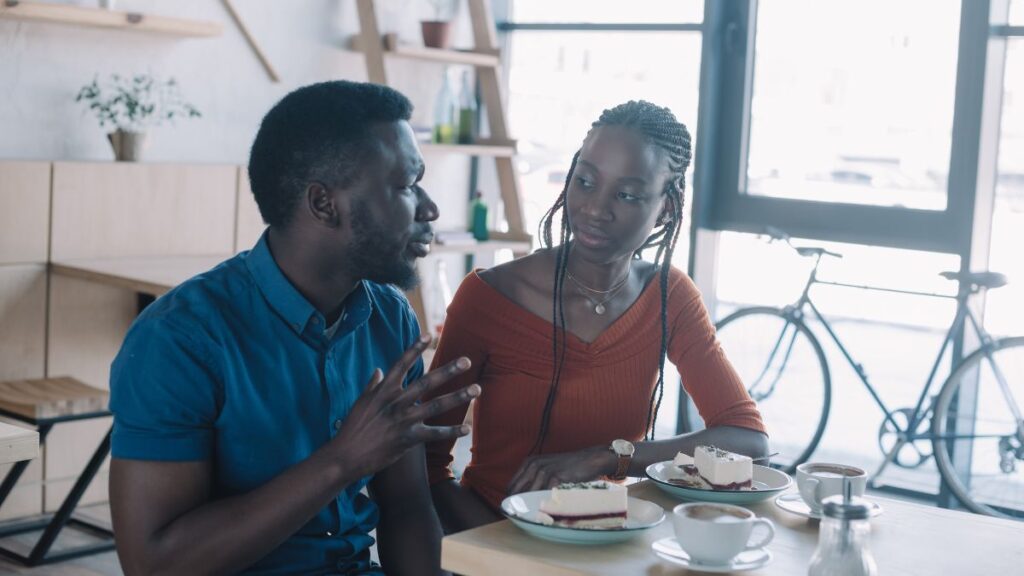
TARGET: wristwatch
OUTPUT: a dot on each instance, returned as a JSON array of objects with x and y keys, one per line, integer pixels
[{"x": 624, "y": 450}]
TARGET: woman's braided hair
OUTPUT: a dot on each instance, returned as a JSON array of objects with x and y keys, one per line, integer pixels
[{"x": 661, "y": 129}]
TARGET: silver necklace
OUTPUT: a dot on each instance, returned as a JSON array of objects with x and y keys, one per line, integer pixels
[{"x": 599, "y": 306}]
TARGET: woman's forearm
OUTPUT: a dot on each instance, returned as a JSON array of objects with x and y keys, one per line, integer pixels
[{"x": 731, "y": 438}]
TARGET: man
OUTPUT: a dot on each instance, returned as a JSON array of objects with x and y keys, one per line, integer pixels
[{"x": 244, "y": 426}]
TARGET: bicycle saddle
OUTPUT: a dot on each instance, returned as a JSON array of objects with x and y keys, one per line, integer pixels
[
  {"x": 815, "y": 251},
  {"x": 980, "y": 279}
]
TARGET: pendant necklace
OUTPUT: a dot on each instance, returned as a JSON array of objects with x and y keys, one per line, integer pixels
[{"x": 599, "y": 305}]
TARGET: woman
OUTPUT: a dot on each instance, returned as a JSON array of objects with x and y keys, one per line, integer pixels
[{"x": 569, "y": 343}]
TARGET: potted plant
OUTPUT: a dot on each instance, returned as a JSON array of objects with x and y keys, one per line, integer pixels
[
  {"x": 131, "y": 105},
  {"x": 437, "y": 32}
]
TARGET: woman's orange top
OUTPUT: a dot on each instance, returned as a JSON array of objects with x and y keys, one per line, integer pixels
[{"x": 605, "y": 386}]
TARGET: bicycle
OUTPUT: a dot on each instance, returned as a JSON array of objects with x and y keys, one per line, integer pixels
[{"x": 987, "y": 436}]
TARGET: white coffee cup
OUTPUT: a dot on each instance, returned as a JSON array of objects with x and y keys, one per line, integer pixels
[
  {"x": 819, "y": 480},
  {"x": 714, "y": 534}
]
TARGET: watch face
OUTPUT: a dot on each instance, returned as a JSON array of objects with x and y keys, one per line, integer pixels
[{"x": 623, "y": 447}]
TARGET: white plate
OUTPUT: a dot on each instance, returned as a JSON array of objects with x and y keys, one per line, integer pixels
[
  {"x": 522, "y": 510},
  {"x": 768, "y": 482},
  {"x": 668, "y": 550},
  {"x": 794, "y": 504}
]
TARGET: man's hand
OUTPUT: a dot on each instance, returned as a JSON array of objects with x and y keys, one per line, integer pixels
[
  {"x": 549, "y": 470},
  {"x": 388, "y": 419}
]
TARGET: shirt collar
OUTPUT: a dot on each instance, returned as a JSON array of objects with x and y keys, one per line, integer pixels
[{"x": 288, "y": 302}]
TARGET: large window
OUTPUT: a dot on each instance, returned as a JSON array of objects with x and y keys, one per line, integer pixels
[
  {"x": 835, "y": 120},
  {"x": 858, "y": 113},
  {"x": 1004, "y": 312},
  {"x": 879, "y": 132}
]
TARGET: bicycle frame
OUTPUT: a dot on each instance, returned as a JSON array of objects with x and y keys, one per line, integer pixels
[{"x": 920, "y": 413}]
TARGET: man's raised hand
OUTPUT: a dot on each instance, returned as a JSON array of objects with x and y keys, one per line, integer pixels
[{"x": 388, "y": 418}]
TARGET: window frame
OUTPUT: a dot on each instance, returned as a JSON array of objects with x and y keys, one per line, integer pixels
[{"x": 731, "y": 32}]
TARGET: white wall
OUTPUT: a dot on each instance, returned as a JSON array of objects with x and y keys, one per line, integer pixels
[{"x": 42, "y": 66}]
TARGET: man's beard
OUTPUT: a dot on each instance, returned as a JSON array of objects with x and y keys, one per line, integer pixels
[{"x": 374, "y": 256}]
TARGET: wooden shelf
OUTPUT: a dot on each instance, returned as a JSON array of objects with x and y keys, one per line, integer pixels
[
  {"x": 17, "y": 443},
  {"x": 99, "y": 18},
  {"x": 469, "y": 149},
  {"x": 147, "y": 275},
  {"x": 413, "y": 52},
  {"x": 481, "y": 247}
]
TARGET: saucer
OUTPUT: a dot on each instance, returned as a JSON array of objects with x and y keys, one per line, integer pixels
[
  {"x": 668, "y": 550},
  {"x": 794, "y": 504},
  {"x": 767, "y": 482}
]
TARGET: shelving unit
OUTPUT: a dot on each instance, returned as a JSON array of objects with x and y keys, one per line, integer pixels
[
  {"x": 110, "y": 19},
  {"x": 482, "y": 247},
  {"x": 506, "y": 150},
  {"x": 486, "y": 58},
  {"x": 393, "y": 48}
]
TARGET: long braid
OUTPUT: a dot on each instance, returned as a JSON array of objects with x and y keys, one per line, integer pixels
[
  {"x": 557, "y": 303},
  {"x": 661, "y": 129}
]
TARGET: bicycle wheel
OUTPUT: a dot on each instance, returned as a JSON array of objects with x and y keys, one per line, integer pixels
[
  {"x": 786, "y": 373},
  {"x": 982, "y": 400}
]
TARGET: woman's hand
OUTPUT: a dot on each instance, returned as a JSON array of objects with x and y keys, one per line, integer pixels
[{"x": 550, "y": 470}]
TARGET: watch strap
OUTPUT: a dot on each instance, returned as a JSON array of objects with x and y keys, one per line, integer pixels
[{"x": 622, "y": 467}]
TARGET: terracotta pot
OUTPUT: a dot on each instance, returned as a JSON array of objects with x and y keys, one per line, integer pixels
[
  {"x": 127, "y": 146},
  {"x": 436, "y": 33}
]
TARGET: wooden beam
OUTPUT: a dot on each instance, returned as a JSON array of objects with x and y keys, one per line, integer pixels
[
  {"x": 251, "y": 40},
  {"x": 371, "y": 43}
]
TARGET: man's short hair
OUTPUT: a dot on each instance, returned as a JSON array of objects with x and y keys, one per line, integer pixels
[{"x": 318, "y": 132}]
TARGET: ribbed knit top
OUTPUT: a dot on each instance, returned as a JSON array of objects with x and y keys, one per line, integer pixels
[{"x": 605, "y": 385}]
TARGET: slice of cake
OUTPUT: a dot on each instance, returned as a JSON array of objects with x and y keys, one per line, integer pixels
[
  {"x": 689, "y": 476},
  {"x": 591, "y": 505},
  {"x": 724, "y": 470}
]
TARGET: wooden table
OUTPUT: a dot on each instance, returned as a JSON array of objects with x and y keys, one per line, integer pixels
[
  {"x": 906, "y": 539},
  {"x": 17, "y": 443},
  {"x": 153, "y": 276}
]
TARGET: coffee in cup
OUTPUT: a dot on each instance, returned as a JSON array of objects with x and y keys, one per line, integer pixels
[
  {"x": 715, "y": 534},
  {"x": 819, "y": 480}
]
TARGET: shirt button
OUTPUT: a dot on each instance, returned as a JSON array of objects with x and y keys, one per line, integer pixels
[
  {"x": 329, "y": 533},
  {"x": 337, "y": 424}
]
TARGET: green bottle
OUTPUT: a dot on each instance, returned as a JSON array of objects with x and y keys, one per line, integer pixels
[
  {"x": 467, "y": 111},
  {"x": 478, "y": 218}
]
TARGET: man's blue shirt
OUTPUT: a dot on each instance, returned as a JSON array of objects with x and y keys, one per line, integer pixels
[{"x": 233, "y": 367}]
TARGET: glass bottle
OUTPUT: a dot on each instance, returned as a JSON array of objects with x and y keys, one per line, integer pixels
[
  {"x": 467, "y": 111},
  {"x": 478, "y": 217},
  {"x": 843, "y": 538},
  {"x": 445, "y": 110}
]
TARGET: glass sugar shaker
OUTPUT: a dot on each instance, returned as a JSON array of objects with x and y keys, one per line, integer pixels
[{"x": 843, "y": 537}]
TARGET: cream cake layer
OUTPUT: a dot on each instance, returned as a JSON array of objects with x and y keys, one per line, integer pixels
[
  {"x": 723, "y": 469},
  {"x": 597, "y": 504}
]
